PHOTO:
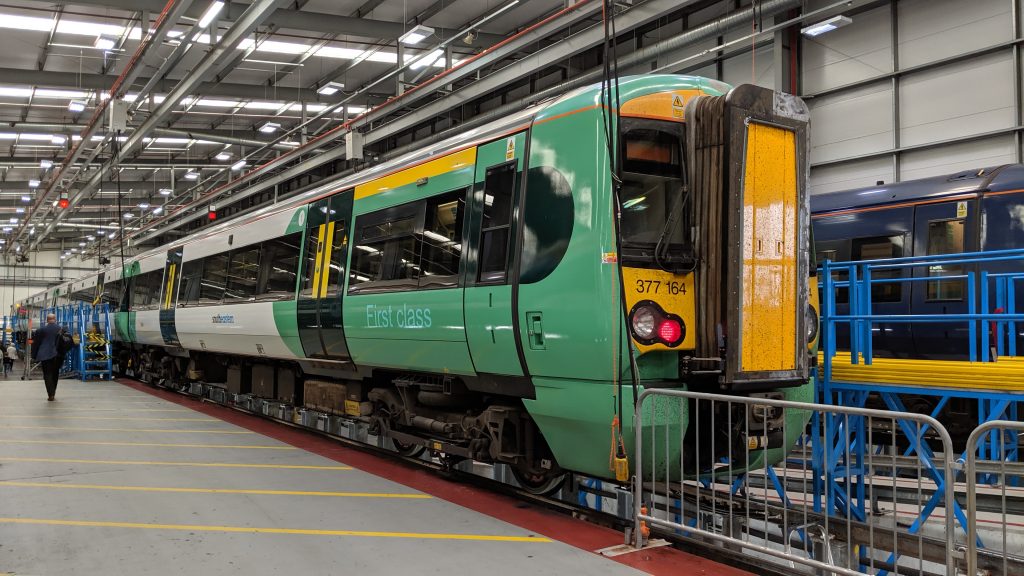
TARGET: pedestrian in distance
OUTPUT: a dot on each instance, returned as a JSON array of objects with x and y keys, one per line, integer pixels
[
  {"x": 10, "y": 355},
  {"x": 47, "y": 343}
]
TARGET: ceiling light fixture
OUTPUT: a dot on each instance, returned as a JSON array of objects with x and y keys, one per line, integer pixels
[
  {"x": 223, "y": 156},
  {"x": 26, "y": 198},
  {"x": 269, "y": 127},
  {"x": 20, "y": 210},
  {"x": 826, "y": 26},
  {"x": 239, "y": 165},
  {"x": 46, "y": 164},
  {"x": 143, "y": 205},
  {"x": 330, "y": 88},
  {"x": 104, "y": 42},
  {"x": 207, "y": 18},
  {"x": 191, "y": 175},
  {"x": 76, "y": 106},
  {"x": 158, "y": 209},
  {"x": 418, "y": 34},
  {"x": 128, "y": 216},
  {"x": 33, "y": 183},
  {"x": 58, "y": 139},
  {"x": 165, "y": 191}
]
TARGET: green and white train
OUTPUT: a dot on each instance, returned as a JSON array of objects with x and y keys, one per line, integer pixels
[{"x": 470, "y": 294}]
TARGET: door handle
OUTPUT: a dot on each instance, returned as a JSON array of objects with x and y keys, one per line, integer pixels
[{"x": 535, "y": 330}]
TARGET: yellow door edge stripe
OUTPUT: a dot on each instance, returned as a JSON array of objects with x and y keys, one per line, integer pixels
[
  {"x": 162, "y": 430},
  {"x": 214, "y": 490},
  {"x": 169, "y": 463},
  {"x": 299, "y": 531},
  {"x": 86, "y": 443},
  {"x": 317, "y": 262},
  {"x": 325, "y": 264}
]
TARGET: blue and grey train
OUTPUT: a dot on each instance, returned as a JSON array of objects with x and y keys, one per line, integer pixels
[{"x": 969, "y": 211}]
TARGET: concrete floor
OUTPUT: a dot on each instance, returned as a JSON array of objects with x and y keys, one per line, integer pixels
[{"x": 109, "y": 480}]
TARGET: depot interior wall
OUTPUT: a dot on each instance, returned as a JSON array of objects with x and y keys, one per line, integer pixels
[
  {"x": 44, "y": 269},
  {"x": 911, "y": 89}
]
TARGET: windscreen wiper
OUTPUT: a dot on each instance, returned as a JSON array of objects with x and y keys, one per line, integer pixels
[{"x": 661, "y": 249}]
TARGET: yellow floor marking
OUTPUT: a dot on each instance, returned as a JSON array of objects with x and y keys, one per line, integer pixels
[
  {"x": 65, "y": 411},
  {"x": 84, "y": 443},
  {"x": 248, "y": 530},
  {"x": 59, "y": 417},
  {"x": 162, "y": 463},
  {"x": 214, "y": 490},
  {"x": 127, "y": 430}
]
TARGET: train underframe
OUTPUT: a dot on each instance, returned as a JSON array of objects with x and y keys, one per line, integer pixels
[{"x": 418, "y": 412}]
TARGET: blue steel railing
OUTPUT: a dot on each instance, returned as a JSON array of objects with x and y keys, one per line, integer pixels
[{"x": 861, "y": 317}]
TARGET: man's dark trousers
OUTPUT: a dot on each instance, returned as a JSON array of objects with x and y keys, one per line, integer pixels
[{"x": 51, "y": 371}]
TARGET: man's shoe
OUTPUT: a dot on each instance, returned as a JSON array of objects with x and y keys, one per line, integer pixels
[{"x": 50, "y": 399}]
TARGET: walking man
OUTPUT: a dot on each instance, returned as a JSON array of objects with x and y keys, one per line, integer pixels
[{"x": 46, "y": 353}]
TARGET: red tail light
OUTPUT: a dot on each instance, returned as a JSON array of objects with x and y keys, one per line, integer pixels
[{"x": 670, "y": 330}]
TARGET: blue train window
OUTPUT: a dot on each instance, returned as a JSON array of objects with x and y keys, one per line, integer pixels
[
  {"x": 945, "y": 237},
  {"x": 876, "y": 248}
]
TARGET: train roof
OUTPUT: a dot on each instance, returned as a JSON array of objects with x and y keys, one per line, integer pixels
[
  {"x": 629, "y": 87},
  {"x": 589, "y": 95},
  {"x": 989, "y": 179}
]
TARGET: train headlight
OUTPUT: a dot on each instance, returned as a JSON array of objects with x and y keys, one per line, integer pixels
[
  {"x": 644, "y": 321},
  {"x": 651, "y": 325},
  {"x": 811, "y": 317}
]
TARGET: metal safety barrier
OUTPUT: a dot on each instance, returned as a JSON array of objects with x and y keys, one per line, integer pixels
[
  {"x": 811, "y": 487},
  {"x": 998, "y": 468}
]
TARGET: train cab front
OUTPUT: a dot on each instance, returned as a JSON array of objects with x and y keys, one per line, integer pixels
[
  {"x": 715, "y": 248},
  {"x": 714, "y": 238}
]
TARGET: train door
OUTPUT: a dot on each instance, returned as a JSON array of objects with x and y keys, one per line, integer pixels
[
  {"x": 871, "y": 236},
  {"x": 488, "y": 296},
  {"x": 943, "y": 228},
  {"x": 326, "y": 254},
  {"x": 169, "y": 296}
]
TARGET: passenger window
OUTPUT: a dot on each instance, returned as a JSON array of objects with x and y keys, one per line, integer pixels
[
  {"x": 143, "y": 288},
  {"x": 338, "y": 244},
  {"x": 385, "y": 256},
  {"x": 945, "y": 237},
  {"x": 499, "y": 187},
  {"x": 215, "y": 270},
  {"x": 877, "y": 248},
  {"x": 243, "y": 274},
  {"x": 441, "y": 241},
  {"x": 191, "y": 277},
  {"x": 112, "y": 294},
  {"x": 282, "y": 261},
  {"x": 393, "y": 253}
]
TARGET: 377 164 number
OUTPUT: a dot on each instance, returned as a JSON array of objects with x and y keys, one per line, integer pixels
[{"x": 658, "y": 287}]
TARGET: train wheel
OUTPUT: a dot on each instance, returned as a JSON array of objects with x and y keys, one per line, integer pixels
[
  {"x": 539, "y": 484},
  {"x": 408, "y": 450}
]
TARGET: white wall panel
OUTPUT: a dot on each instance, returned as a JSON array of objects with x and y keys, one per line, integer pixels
[
  {"x": 931, "y": 30},
  {"x": 961, "y": 99},
  {"x": 743, "y": 69},
  {"x": 851, "y": 175},
  {"x": 957, "y": 157},
  {"x": 858, "y": 51},
  {"x": 851, "y": 123}
]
